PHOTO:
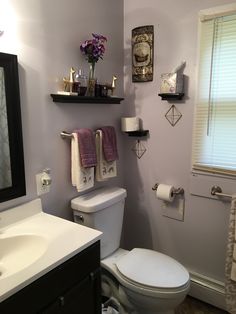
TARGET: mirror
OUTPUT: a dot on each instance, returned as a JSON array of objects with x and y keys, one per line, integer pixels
[{"x": 12, "y": 173}]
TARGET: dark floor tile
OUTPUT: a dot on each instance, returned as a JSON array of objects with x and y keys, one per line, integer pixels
[{"x": 194, "y": 306}]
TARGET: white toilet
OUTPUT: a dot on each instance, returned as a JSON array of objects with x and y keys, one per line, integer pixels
[{"x": 143, "y": 281}]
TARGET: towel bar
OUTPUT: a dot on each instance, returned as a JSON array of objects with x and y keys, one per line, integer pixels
[
  {"x": 216, "y": 190},
  {"x": 65, "y": 134}
]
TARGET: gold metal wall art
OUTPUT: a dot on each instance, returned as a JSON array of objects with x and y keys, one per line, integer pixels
[{"x": 142, "y": 53}]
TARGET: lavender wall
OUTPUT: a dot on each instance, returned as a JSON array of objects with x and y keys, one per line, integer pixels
[
  {"x": 200, "y": 241},
  {"x": 46, "y": 36}
]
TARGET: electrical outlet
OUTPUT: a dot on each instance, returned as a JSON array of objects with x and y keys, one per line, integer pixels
[{"x": 41, "y": 188}]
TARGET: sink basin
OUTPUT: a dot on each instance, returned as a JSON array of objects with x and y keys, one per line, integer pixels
[
  {"x": 32, "y": 243},
  {"x": 20, "y": 251}
]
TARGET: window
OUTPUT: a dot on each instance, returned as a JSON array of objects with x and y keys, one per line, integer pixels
[{"x": 214, "y": 140}]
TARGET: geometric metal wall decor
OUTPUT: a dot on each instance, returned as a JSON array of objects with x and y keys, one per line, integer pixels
[
  {"x": 139, "y": 149},
  {"x": 173, "y": 115}
]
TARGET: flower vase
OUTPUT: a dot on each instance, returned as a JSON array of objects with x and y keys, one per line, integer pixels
[{"x": 91, "y": 81}]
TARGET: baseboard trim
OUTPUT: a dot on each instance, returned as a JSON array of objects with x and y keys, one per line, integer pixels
[{"x": 208, "y": 290}]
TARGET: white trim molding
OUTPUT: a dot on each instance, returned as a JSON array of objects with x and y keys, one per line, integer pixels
[
  {"x": 208, "y": 290},
  {"x": 218, "y": 11}
]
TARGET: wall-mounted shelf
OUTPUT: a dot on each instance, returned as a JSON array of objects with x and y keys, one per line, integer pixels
[
  {"x": 171, "y": 96},
  {"x": 85, "y": 99},
  {"x": 139, "y": 133}
]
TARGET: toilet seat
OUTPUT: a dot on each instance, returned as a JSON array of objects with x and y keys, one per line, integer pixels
[
  {"x": 126, "y": 266},
  {"x": 152, "y": 269}
]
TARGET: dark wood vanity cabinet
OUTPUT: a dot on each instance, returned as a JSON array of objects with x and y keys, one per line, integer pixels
[{"x": 73, "y": 287}]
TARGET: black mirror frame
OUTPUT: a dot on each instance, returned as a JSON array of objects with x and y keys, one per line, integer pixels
[{"x": 10, "y": 64}]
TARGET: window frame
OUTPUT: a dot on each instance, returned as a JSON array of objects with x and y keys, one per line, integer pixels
[{"x": 204, "y": 15}]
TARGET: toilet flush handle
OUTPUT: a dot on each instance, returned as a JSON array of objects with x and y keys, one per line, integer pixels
[{"x": 79, "y": 218}]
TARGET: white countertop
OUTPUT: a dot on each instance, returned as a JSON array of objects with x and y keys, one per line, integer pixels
[{"x": 60, "y": 239}]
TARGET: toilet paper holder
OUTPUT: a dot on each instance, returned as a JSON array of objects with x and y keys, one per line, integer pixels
[{"x": 177, "y": 191}]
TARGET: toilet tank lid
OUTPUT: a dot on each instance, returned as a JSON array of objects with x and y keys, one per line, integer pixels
[{"x": 98, "y": 199}]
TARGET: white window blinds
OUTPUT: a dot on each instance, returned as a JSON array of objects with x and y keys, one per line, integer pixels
[{"x": 214, "y": 141}]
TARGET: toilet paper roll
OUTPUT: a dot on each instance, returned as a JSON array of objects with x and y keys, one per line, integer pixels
[
  {"x": 129, "y": 124},
  {"x": 164, "y": 192}
]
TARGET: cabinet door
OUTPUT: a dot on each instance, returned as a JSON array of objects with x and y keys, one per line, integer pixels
[
  {"x": 80, "y": 299},
  {"x": 81, "y": 274}
]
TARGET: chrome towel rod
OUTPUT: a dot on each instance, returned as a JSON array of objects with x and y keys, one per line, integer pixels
[
  {"x": 216, "y": 190},
  {"x": 65, "y": 134}
]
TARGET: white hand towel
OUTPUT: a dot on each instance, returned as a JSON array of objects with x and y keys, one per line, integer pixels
[
  {"x": 104, "y": 170},
  {"x": 82, "y": 178}
]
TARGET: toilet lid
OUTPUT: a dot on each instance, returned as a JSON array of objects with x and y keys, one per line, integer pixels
[{"x": 153, "y": 269}]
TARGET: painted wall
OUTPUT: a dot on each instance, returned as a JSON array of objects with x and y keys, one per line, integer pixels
[
  {"x": 46, "y": 36},
  {"x": 200, "y": 241}
]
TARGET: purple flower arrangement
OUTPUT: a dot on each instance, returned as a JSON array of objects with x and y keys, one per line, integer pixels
[{"x": 93, "y": 49}]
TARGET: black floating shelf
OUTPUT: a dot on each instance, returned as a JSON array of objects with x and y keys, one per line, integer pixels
[
  {"x": 171, "y": 96},
  {"x": 138, "y": 133},
  {"x": 85, "y": 99}
]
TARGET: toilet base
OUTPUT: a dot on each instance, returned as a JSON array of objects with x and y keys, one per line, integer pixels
[
  {"x": 111, "y": 288},
  {"x": 147, "y": 305}
]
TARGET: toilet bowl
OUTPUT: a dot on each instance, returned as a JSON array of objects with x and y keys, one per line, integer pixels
[
  {"x": 143, "y": 281},
  {"x": 151, "y": 282}
]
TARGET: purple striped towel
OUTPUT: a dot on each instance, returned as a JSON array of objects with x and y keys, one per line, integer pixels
[
  {"x": 87, "y": 147},
  {"x": 109, "y": 143}
]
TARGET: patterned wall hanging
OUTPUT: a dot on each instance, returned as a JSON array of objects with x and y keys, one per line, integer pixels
[
  {"x": 173, "y": 115},
  {"x": 142, "y": 53}
]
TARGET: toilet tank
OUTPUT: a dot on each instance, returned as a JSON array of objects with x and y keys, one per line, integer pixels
[{"x": 102, "y": 209}]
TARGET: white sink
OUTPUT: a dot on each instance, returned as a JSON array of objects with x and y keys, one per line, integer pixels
[
  {"x": 20, "y": 251},
  {"x": 33, "y": 243}
]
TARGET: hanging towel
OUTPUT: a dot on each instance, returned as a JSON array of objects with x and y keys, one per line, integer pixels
[
  {"x": 109, "y": 143},
  {"x": 82, "y": 178},
  {"x": 87, "y": 147},
  {"x": 104, "y": 169},
  {"x": 230, "y": 265}
]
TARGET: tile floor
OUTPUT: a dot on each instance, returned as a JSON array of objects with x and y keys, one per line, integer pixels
[{"x": 194, "y": 306}]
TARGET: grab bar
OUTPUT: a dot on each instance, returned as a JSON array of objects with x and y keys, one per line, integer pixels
[{"x": 217, "y": 191}]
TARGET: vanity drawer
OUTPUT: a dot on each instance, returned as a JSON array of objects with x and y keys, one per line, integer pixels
[{"x": 57, "y": 288}]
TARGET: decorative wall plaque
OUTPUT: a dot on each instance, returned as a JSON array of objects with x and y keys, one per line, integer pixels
[{"x": 142, "y": 53}]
